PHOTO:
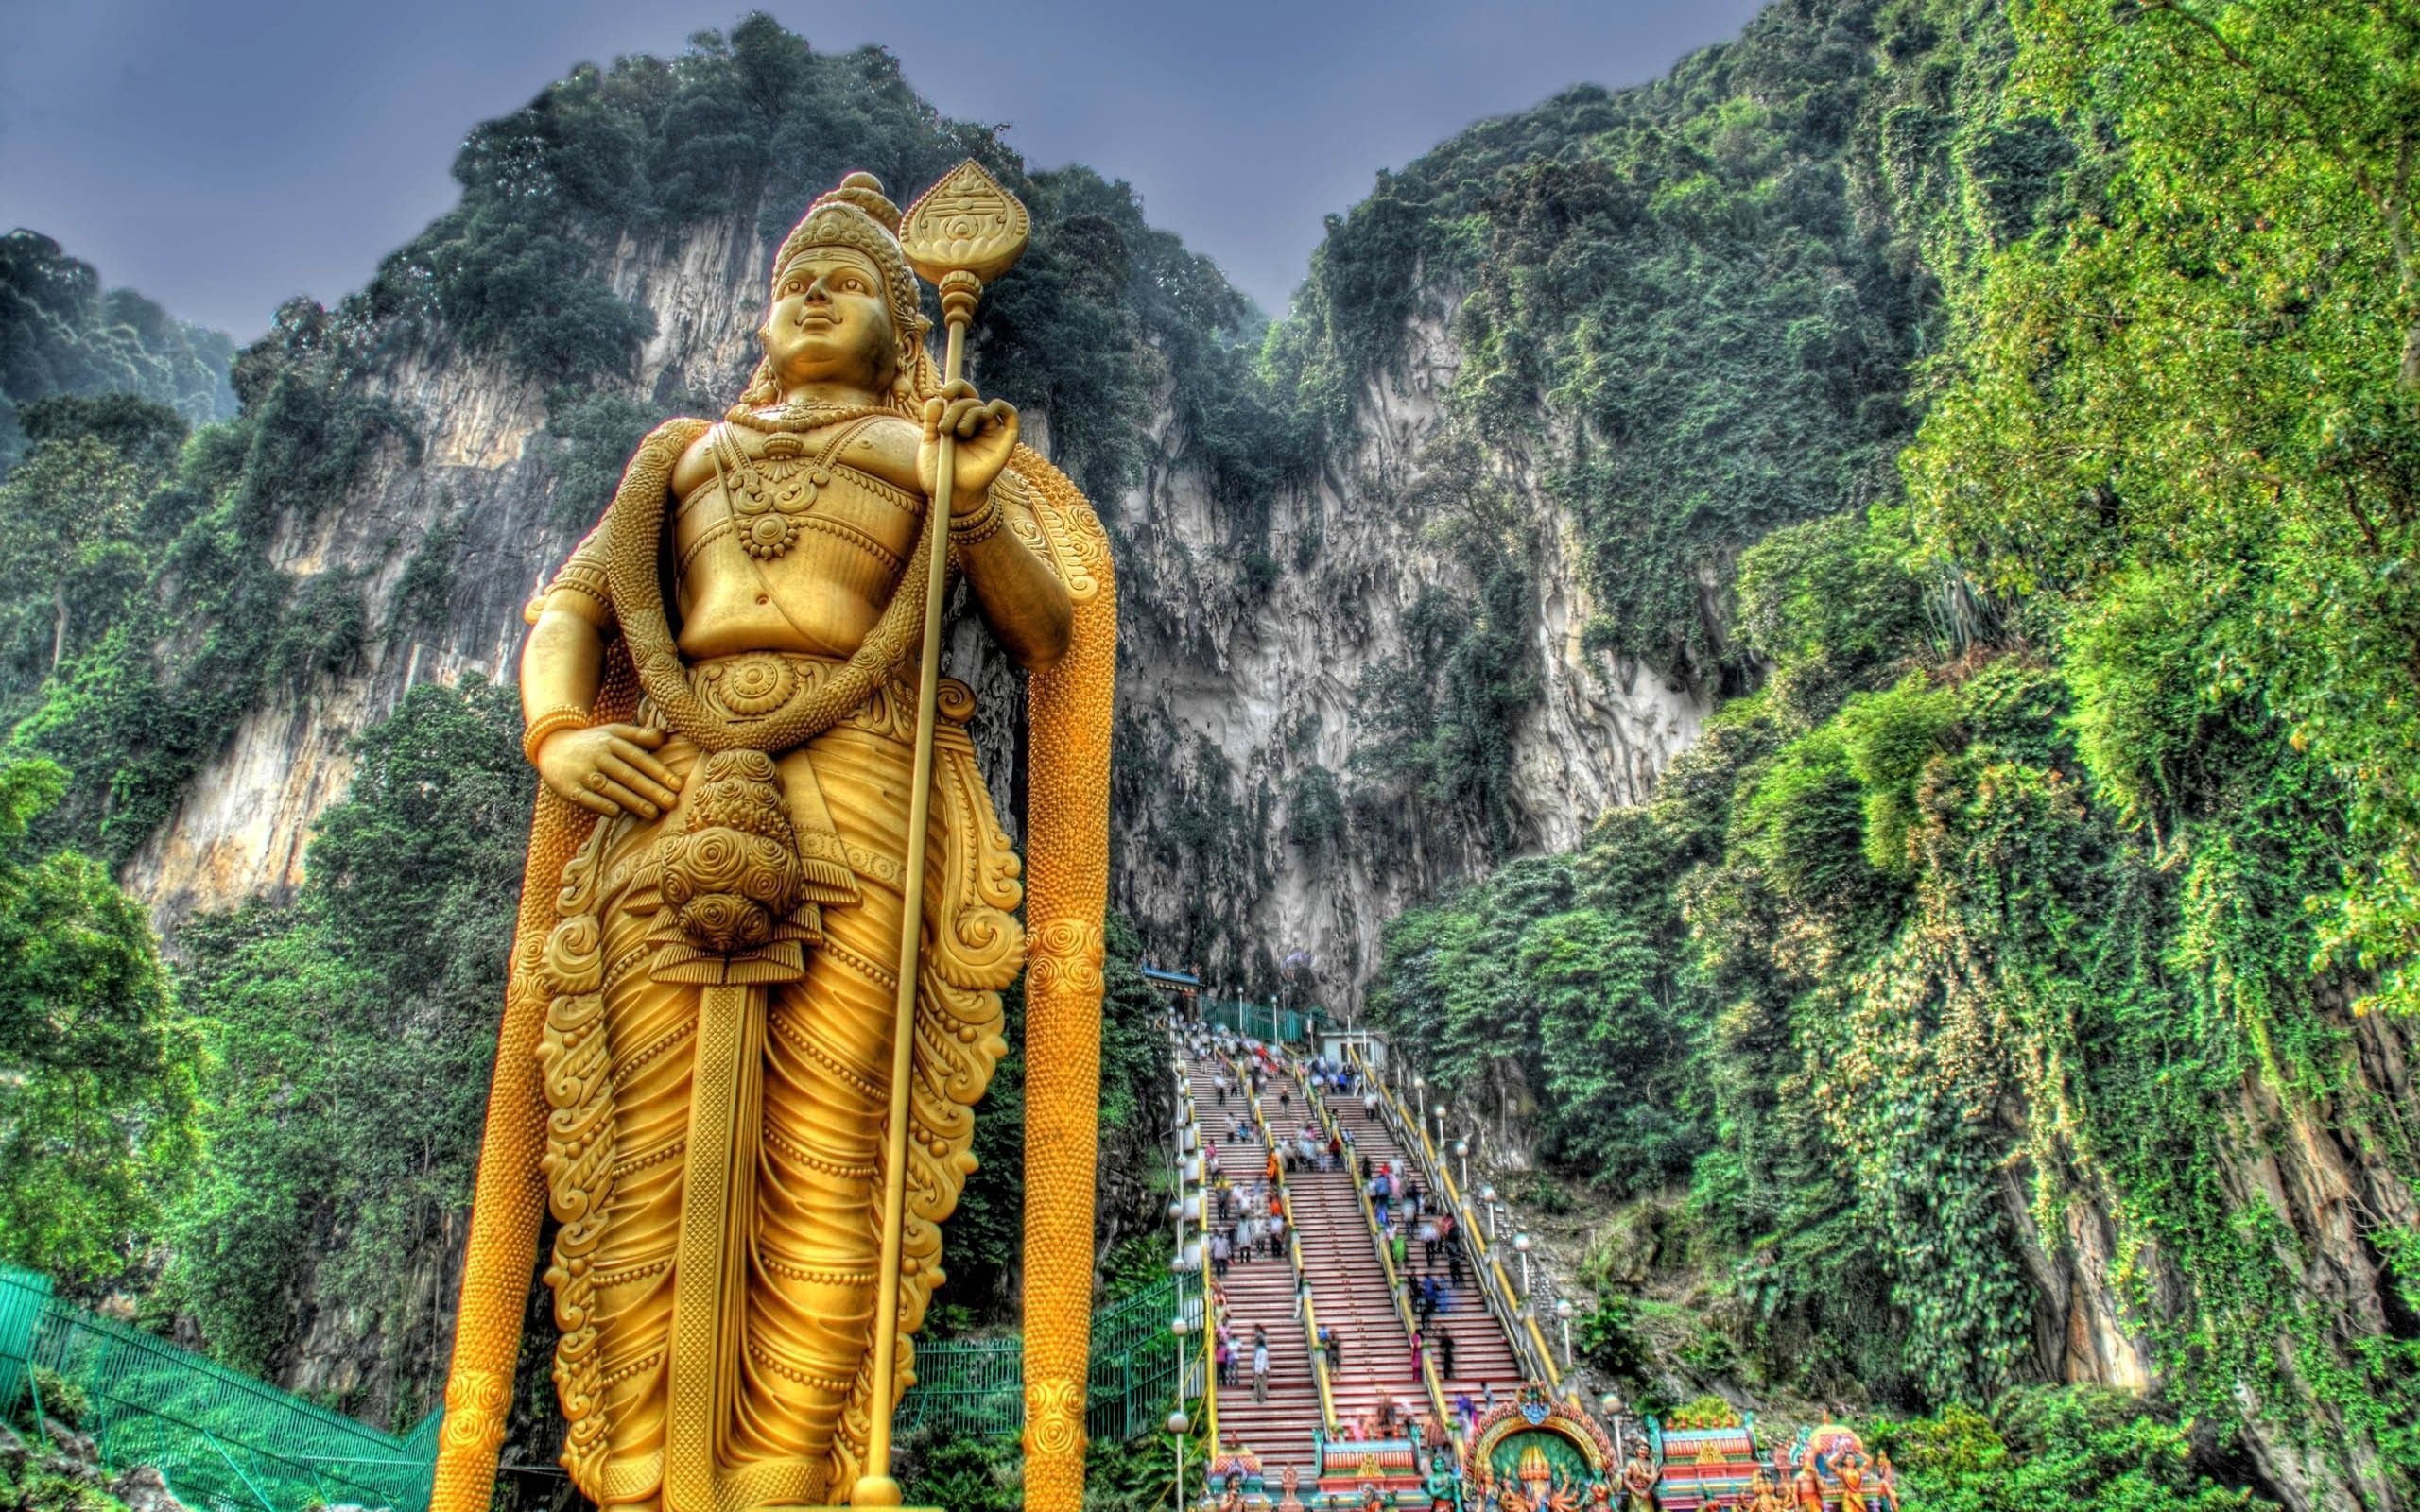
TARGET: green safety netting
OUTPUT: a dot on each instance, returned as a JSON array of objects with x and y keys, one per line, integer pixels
[
  {"x": 228, "y": 1443},
  {"x": 222, "y": 1440},
  {"x": 1256, "y": 1021}
]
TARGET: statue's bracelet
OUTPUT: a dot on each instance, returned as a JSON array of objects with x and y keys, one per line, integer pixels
[
  {"x": 569, "y": 716},
  {"x": 979, "y": 526}
]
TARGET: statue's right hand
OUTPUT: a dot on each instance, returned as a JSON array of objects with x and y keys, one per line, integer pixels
[{"x": 609, "y": 769}]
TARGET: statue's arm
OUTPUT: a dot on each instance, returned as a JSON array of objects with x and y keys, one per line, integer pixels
[
  {"x": 1023, "y": 600},
  {"x": 608, "y": 769},
  {"x": 1026, "y": 603}
]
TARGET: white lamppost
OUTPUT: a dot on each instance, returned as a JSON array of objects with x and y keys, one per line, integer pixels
[
  {"x": 1487, "y": 1195},
  {"x": 1420, "y": 1093},
  {"x": 1178, "y": 1425},
  {"x": 1463, "y": 1158},
  {"x": 1521, "y": 1246},
  {"x": 1562, "y": 1315},
  {"x": 1612, "y": 1405}
]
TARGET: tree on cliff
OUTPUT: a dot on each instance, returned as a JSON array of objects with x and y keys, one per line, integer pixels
[{"x": 97, "y": 1068}]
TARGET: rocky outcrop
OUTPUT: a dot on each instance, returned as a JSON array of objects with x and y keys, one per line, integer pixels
[{"x": 1265, "y": 676}]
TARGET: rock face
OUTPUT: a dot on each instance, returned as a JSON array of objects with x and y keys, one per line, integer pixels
[{"x": 1230, "y": 691}]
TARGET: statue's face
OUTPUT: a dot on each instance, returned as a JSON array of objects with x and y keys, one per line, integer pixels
[{"x": 829, "y": 321}]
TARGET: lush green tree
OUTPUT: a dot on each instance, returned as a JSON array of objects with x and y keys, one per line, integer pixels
[
  {"x": 70, "y": 511},
  {"x": 97, "y": 1068},
  {"x": 61, "y": 333},
  {"x": 2078, "y": 1449},
  {"x": 352, "y": 1031}
]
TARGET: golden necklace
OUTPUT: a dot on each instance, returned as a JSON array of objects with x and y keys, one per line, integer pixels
[
  {"x": 770, "y": 493},
  {"x": 799, "y": 418}
]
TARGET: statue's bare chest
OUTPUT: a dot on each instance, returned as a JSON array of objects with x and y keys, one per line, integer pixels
[{"x": 791, "y": 541}]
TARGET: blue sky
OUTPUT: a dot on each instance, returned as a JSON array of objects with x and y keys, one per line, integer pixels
[{"x": 221, "y": 157}]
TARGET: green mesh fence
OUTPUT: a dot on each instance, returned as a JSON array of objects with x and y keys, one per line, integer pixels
[
  {"x": 221, "y": 1440},
  {"x": 228, "y": 1443},
  {"x": 21, "y": 1296},
  {"x": 976, "y": 1386},
  {"x": 1256, "y": 1021}
]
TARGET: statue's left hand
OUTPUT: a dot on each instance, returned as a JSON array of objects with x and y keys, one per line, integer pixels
[{"x": 986, "y": 432}]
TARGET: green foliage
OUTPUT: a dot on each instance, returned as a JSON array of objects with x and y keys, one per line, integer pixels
[
  {"x": 62, "y": 333},
  {"x": 59, "y": 1399},
  {"x": 747, "y": 126},
  {"x": 1662, "y": 297},
  {"x": 2077, "y": 804},
  {"x": 1315, "y": 809},
  {"x": 352, "y": 1031},
  {"x": 34, "y": 1489},
  {"x": 2199, "y": 393},
  {"x": 190, "y": 634},
  {"x": 71, "y": 524},
  {"x": 1438, "y": 720},
  {"x": 96, "y": 1069},
  {"x": 600, "y": 431},
  {"x": 1889, "y": 738},
  {"x": 986, "y": 1474},
  {"x": 2069, "y": 1449}
]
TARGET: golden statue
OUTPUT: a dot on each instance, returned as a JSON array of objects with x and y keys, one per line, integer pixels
[{"x": 747, "y": 1020}]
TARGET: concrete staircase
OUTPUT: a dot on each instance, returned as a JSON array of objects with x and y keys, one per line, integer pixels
[
  {"x": 1483, "y": 1356},
  {"x": 1259, "y": 1291},
  {"x": 1349, "y": 1284}
]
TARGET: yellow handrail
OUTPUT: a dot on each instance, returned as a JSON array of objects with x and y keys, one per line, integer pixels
[
  {"x": 1395, "y": 1295},
  {"x": 1294, "y": 1255},
  {"x": 1485, "y": 1262}
]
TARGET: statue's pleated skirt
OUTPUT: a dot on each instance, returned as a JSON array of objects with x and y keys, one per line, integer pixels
[{"x": 795, "y": 1315}]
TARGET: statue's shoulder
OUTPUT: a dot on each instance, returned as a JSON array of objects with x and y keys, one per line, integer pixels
[
  {"x": 885, "y": 446},
  {"x": 686, "y": 439}
]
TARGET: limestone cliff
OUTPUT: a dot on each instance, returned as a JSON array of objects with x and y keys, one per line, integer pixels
[{"x": 1267, "y": 677}]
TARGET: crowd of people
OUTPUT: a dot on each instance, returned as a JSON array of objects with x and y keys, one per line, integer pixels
[{"x": 1246, "y": 1218}]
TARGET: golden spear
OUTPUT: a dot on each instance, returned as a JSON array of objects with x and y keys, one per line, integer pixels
[{"x": 960, "y": 234}]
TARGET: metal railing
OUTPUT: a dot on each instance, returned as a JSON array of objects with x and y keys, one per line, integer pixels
[
  {"x": 1515, "y": 1308},
  {"x": 975, "y": 1387},
  {"x": 1256, "y": 1021},
  {"x": 1303, "y": 1309},
  {"x": 1398, "y": 1294}
]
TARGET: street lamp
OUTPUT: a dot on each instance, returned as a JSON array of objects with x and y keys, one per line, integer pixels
[
  {"x": 1521, "y": 1246},
  {"x": 1419, "y": 1092},
  {"x": 1487, "y": 1195},
  {"x": 1562, "y": 1315},
  {"x": 1178, "y": 1425},
  {"x": 1463, "y": 1158}
]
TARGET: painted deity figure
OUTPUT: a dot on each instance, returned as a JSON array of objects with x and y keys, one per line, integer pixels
[
  {"x": 1849, "y": 1468},
  {"x": 1639, "y": 1478},
  {"x": 719, "y": 688}
]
